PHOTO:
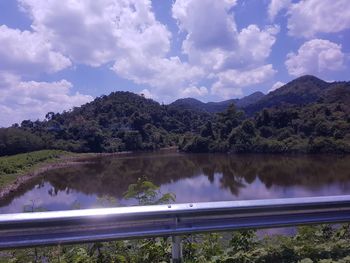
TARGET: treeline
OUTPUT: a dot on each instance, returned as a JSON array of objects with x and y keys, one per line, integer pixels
[
  {"x": 316, "y": 128},
  {"x": 122, "y": 121}
]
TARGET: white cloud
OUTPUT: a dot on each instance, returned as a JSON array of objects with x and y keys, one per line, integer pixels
[
  {"x": 220, "y": 49},
  {"x": 20, "y": 100},
  {"x": 315, "y": 56},
  {"x": 231, "y": 82},
  {"x": 26, "y": 52},
  {"x": 275, "y": 86},
  {"x": 147, "y": 94},
  {"x": 194, "y": 91},
  {"x": 217, "y": 32},
  {"x": 96, "y": 32},
  {"x": 309, "y": 17},
  {"x": 127, "y": 34},
  {"x": 168, "y": 77},
  {"x": 215, "y": 43},
  {"x": 123, "y": 32},
  {"x": 255, "y": 44},
  {"x": 253, "y": 47},
  {"x": 208, "y": 41},
  {"x": 276, "y": 6}
]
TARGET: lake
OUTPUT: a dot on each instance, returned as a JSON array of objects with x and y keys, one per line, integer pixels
[{"x": 191, "y": 177}]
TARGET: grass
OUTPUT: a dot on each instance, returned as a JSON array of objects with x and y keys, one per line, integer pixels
[{"x": 16, "y": 165}]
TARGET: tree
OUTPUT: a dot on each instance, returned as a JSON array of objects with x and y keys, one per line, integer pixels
[
  {"x": 228, "y": 120},
  {"x": 207, "y": 130}
]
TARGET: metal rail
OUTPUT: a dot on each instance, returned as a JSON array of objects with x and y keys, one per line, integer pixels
[{"x": 78, "y": 226}]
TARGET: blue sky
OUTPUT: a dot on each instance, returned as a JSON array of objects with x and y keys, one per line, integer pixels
[{"x": 55, "y": 55}]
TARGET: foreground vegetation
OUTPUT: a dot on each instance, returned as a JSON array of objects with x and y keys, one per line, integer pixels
[
  {"x": 323, "y": 244},
  {"x": 13, "y": 166}
]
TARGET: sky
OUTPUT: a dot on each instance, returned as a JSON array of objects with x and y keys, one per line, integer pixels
[{"x": 56, "y": 55}]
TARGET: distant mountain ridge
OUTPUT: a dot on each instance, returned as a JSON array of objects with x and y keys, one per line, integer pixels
[
  {"x": 214, "y": 107},
  {"x": 301, "y": 91},
  {"x": 250, "y": 99}
]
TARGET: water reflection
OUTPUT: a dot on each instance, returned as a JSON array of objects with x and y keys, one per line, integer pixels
[{"x": 192, "y": 177}]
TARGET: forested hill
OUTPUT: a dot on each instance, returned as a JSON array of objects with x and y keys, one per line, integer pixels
[
  {"x": 305, "y": 115},
  {"x": 301, "y": 91},
  {"x": 120, "y": 121},
  {"x": 317, "y": 122}
]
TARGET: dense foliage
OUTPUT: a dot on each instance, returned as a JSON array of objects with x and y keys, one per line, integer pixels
[
  {"x": 321, "y": 127},
  {"x": 315, "y": 244},
  {"x": 122, "y": 121},
  {"x": 306, "y": 115},
  {"x": 301, "y": 91}
]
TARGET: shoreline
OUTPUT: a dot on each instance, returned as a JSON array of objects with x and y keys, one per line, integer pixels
[
  {"x": 75, "y": 159},
  {"x": 40, "y": 168},
  {"x": 24, "y": 178},
  {"x": 63, "y": 161}
]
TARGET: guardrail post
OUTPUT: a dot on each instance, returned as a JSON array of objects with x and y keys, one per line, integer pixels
[{"x": 176, "y": 249}]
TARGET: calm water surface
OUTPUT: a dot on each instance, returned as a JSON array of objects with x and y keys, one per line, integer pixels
[{"x": 191, "y": 177}]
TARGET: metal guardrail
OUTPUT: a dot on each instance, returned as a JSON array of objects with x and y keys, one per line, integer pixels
[{"x": 88, "y": 225}]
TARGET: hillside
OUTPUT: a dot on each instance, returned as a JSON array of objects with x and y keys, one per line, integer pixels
[
  {"x": 118, "y": 122},
  {"x": 191, "y": 104},
  {"x": 249, "y": 100},
  {"x": 317, "y": 124},
  {"x": 305, "y": 115},
  {"x": 301, "y": 91}
]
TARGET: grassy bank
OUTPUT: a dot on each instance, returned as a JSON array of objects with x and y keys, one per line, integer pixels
[{"x": 11, "y": 167}]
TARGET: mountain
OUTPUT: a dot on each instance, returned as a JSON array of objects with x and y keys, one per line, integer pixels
[
  {"x": 214, "y": 107},
  {"x": 189, "y": 104},
  {"x": 296, "y": 114},
  {"x": 301, "y": 91},
  {"x": 117, "y": 122},
  {"x": 250, "y": 99},
  {"x": 338, "y": 93},
  {"x": 284, "y": 121}
]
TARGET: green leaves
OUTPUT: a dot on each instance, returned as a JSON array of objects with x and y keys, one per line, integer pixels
[
  {"x": 147, "y": 193},
  {"x": 313, "y": 128},
  {"x": 315, "y": 244}
]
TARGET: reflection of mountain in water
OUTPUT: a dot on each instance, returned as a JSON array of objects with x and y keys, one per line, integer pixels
[{"x": 112, "y": 175}]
